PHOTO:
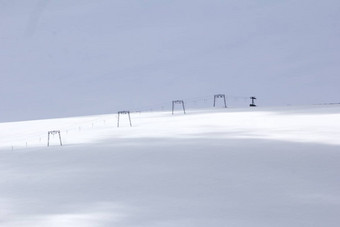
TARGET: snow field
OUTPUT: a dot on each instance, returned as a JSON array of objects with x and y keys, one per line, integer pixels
[
  {"x": 223, "y": 167},
  {"x": 317, "y": 124}
]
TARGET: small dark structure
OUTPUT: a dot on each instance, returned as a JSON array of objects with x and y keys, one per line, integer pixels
[
  {"x": 252, "y": 102},
  {"x": 124, "y": 113},
  {"x": 53, "y": 133},
  {"x": 220, "y": 96},
  {"x": 177, "y": 102}
]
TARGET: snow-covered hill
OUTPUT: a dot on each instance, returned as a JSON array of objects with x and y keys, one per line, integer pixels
[{"x": 211, "y": 167}]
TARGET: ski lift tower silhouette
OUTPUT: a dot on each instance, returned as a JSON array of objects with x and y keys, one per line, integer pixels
[
  {"x": 53, "y": 133},
  {"x": 252, "y": 104},
  {"x": 123, "y": 113},
  {"x": 220, "y": 96},
  {"x": 181, "y": 102}
]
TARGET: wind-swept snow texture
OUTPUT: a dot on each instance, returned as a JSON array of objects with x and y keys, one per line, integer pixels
[{"x": 223, "y": 167}]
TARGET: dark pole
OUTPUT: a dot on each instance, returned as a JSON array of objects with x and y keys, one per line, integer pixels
[
  {"x": 252, "y": 101},
  {"x": 124, "y": 113},
  {"x": 220, "y": 96},
  {"x": 183, "y": 106},
  {"x": 173, "y": 106},
  {"x": 130, "y": 119},
  {"x": 61, "y": 144},
  {"x": 177, "y": 102}
]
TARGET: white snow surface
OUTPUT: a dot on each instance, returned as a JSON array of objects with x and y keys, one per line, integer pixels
[{"x": 210, "y": 167}]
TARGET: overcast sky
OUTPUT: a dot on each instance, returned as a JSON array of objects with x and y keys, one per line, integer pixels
[{"x": 80, "y": 57}]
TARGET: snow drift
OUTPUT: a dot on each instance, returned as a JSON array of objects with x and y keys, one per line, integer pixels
[{"x": 221, "y": 167}]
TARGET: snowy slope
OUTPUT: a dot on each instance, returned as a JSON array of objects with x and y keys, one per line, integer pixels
[
  {"x": 313, "y": 124},
  {"x": 214, "y": 167}
]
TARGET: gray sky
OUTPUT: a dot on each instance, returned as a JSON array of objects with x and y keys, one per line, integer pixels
[{"x": 65, "y": 58}]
